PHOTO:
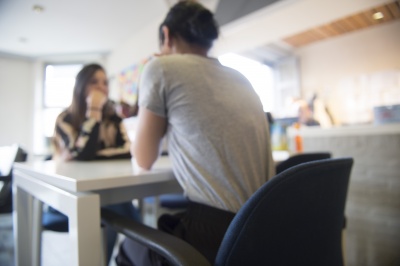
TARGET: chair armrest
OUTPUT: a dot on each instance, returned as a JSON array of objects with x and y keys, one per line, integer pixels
[{"x": 173, "y": 249}]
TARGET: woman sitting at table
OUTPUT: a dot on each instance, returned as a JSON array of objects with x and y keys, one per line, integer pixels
[
  {"x": 90, "y": 129},
  {"x": 219, "y": 142}
]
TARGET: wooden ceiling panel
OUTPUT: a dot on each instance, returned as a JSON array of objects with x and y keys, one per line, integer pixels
[
  {"x": 387, "y": 16},
  {"x": 368, "y": 16},
  {"x": 330, "y": 30},
  {"x": 322, "y": 34},
  {"x": 342, "y": 27},
  {"x": 361, "y": 21},
  {"x": 394, "y": 9},
  {"x": 390, "y": 12},
  {"x": 350, "y": 24}
]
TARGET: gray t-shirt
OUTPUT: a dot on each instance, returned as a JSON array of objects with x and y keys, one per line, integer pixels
[{"x": 218, "y": 134}]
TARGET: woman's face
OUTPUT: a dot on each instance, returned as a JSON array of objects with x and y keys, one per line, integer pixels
[{"x": 98, "y": 82}]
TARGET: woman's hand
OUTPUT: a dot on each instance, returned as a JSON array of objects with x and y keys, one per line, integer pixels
[
  {"x": 95, "y": 102},
  {"x": 96, "y": 99}
]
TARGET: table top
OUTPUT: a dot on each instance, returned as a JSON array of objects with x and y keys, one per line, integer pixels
[
  {"x": 78, "y": 176},
  {"x": 83, "y": 176}
]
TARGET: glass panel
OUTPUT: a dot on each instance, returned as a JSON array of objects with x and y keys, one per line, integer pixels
[
  {"x": 59, "y": 84},
  {"x": 259, "y": 75},
  {"x": 49, "y": 120}
]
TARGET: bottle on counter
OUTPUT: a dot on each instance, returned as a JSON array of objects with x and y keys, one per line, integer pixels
[{"x": 298, "y": 140}]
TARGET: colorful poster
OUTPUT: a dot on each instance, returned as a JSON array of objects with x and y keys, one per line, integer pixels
[{"x": 128, "y": 81}]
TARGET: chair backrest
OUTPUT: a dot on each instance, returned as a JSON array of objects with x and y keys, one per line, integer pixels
[
  {"x": 296, "y": 218},
  {"x": 301, "y": 158}
]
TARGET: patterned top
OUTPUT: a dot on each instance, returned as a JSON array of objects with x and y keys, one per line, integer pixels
[{"x": 96, "y": 140}]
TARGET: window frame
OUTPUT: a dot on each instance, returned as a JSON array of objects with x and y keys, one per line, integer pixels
[{"x": 44, "y": 109}]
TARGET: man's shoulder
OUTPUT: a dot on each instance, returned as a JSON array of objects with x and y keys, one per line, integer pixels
[
  {"x": 165, "y": 64},
  {"x": 177, "y": 59}
]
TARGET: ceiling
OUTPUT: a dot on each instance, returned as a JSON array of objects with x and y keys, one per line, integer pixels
[
  {"x": 72, "y": 26},
  {"x": 75, "y": 26},
  {"x": 230, "y": 10},
  {"x": 91, "y": 26},
  {"x": 354, "y": 22},
  {"x": 99, "y": 26}
]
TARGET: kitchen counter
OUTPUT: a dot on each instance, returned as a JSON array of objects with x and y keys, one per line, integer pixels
[{"x": 373, "y": 201}]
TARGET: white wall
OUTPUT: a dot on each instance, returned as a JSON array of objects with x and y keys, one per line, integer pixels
[
  {"x": 137, "y": 48},
  {"x": 16, "y": 105},
  {"x": 138, "y": 45},
  {"x": 346, "y": 66}
]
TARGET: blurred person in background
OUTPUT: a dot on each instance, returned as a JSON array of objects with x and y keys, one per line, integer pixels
[{"x": 90, "y": 129}]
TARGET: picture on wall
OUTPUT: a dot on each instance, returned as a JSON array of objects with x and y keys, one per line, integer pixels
[{"x": 128, "y": 82}]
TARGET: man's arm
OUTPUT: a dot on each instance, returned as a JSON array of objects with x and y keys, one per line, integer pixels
[{"x": 150, "y": 131}]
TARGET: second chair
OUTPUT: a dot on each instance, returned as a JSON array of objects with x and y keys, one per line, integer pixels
[{"x": 301, "y": 158}]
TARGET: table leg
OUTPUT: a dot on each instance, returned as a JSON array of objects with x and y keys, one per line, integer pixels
[
  {"x": 84, "y": 228},
  {"x": 22, "y": 226},
  {"x": 82, "y": 209},
  {"x": 37, "y": 232}
]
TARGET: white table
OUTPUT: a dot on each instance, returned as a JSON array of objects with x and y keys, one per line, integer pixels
[{"x": 78, "y": 189}]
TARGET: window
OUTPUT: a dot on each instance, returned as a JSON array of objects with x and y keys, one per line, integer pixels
[
  {"x": 58, "y": 89},
  {"x": 259, "y": 75}
]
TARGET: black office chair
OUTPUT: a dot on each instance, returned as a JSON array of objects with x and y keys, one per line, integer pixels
[
  {"x": 295, "y": 218},
  {"x": 301, "y": 158},
  {"x": 9, "y": 155},
  {"x": 173, "y": 201},
  {"x": 54, "y": 220}
]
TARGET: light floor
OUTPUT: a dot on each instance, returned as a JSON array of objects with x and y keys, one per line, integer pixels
[
  {"x": 6, "y": 241},
  {"x": 55, "y": 246},
  {"x": 56, "y": 251}
]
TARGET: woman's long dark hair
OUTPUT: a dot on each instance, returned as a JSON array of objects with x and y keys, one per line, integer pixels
[
  {"x": 192, "y": 22},
  {"x": 78, "y": 104}
]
